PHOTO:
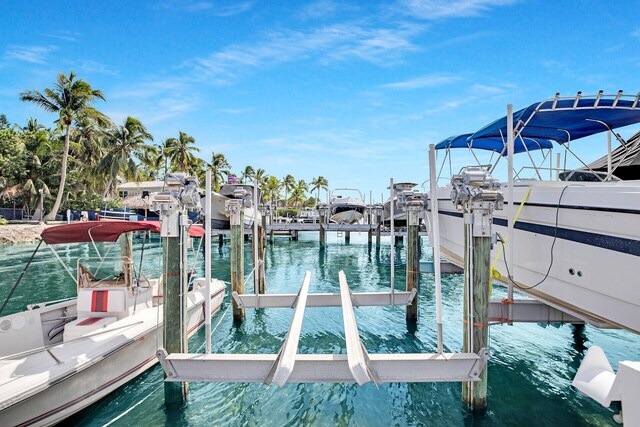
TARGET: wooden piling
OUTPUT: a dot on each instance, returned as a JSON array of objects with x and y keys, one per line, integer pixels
[
  {"x": 322, "y": 231},
  {"x": 237, "y": 257},
  {"x": 220, "y": 239},
  {"x": 413, "y": 263},
  {"x": 347, "y": 236},
  {"x": 174, "y": 342},
  {"x": 475, "y": 393},
  {"x": 261, "y": 253},
  {"x": 378, "y": 226}
]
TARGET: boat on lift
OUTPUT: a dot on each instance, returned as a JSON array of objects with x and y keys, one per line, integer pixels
[
  {"x": 399, "y": 215},
  {"x": 59, "y": 357},
  {"x": 219, "y": 215},
  {"x": 576, "y": 243},
  {"x": 346, "y": 210}
]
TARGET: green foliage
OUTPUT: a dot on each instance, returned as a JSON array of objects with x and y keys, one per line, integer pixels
[
  {"x": 3, "y": 221},
  {"x": 12, "y": 156},
  {"x": 287, "y": 212},
  {"x": 91, "y": 202}
]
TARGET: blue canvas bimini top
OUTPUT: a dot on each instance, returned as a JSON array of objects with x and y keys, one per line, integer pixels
[
  {"x": 568, "y": 120},
  {"x": 494, "y": 144}
]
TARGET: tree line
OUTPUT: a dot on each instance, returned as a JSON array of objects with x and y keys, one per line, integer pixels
[{"x": 79, "y": 160}]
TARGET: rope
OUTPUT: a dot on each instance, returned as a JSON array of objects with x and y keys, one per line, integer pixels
[
  {"x": 501, "y": 248},
  {"x": 133, "y": 407}
]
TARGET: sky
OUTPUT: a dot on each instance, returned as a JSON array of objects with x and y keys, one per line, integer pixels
[{"x": 354, "y": 91}]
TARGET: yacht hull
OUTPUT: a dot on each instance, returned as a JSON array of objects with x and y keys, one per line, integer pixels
[
  {"x": 135, "y": 352},
  {"x": 596, "y": 257}
]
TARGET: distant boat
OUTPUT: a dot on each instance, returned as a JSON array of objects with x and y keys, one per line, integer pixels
[
  {"x": 346, "y": 210},
  {"x": 59, "y": 357},
  {"x": 219, "y": 215}
]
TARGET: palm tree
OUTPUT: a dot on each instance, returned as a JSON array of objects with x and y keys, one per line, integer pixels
[
  {"x": 126, "y": 144},
  {"x": 219, "y": 168},
  {"x": 247, "y": 173},
  {"x": 271, "y": 189},
  {"x": 260, "y": 176},
  {"x": 318, "y": 183},
  {"x": 180, "y": 152},
  {"x": 70, "y": 98},
  {"x": 298, "y": 194},
  {"x": 288, "y": 183}
]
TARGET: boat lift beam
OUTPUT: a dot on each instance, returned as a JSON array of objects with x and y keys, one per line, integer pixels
[
  {"x": 357, "y": 366},
  {"x": 332, "y": 299},
  {"x": 528, "y": 311}
]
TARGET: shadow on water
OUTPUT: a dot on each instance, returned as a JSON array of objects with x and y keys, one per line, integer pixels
[{"x": 530, "y": 369}]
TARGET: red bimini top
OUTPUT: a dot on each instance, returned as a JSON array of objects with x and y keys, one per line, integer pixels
[{"x": 102, "y": 231}]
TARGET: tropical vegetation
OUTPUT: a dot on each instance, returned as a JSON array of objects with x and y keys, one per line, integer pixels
[{"x": 78, "y": 160}]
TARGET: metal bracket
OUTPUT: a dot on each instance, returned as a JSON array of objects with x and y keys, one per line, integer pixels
[{"x": 162, "y": 355}]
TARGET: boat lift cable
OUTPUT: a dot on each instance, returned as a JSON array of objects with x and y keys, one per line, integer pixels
[
  {"x": 553, "y": 244},
  {"x": 24, "y": 270}
]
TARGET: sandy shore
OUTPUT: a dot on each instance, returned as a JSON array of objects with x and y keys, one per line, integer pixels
[{"x": 20, "y": 233}]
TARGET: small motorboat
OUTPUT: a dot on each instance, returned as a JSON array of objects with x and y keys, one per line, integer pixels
[
  {"x": 59, "y": 357},
  {"x": 219, "y": 215},
  {"x": 346, "y": 210}
]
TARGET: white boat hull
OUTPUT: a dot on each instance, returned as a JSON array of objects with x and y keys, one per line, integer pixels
[
  {"x": 220, "y": 218},
  {"x": 93, "y": 378},
  {"x": 598, "y": 240},
  {"x": 346, "y": 217}
]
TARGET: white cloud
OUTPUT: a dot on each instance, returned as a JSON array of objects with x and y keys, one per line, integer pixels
[
  {"x": 235, "y": 111},
  {"x": 31, "y": 54},
  {"x": 433, "y": 80},
  {"x": 217, "y": 8},
  {"x": 68, "y": 36},
  {"x": 437, "y": 9},
  {"x": 336, "y": 42}
]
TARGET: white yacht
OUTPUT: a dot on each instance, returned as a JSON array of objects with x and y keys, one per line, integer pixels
[{"x": 576, "y": 243}]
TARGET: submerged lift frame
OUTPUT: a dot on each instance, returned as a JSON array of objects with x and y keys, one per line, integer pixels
[{"x": 356, "y": 366}]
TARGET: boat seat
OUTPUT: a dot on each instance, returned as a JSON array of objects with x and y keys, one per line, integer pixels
[
  {"x": 84, "y": 326},
  {"x": 102, "y": 302}
]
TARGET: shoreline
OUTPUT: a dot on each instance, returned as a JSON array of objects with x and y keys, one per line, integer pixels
[{"x": 13, "y": 233}]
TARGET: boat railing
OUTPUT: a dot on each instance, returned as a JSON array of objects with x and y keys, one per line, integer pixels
[{"x": 562, "y": 174}]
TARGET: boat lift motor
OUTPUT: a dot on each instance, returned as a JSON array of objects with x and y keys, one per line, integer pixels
[
  {"x": 182, "y": 194},
  {"x": 478, "y": 194}
]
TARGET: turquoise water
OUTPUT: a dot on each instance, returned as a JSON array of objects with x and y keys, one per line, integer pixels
[{"x": 530, "y": 369}]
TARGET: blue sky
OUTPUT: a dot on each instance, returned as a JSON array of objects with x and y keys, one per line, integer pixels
[{"x": 354, "y": 91}]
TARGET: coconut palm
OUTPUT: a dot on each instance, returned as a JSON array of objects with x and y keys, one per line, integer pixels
[
  {"x": 247, "y": 174},
  {"x": 70, "y": 98},
  {"x": 219, "y": 168},
  {"x": 298, "y": 197},
  {"x": 180, "y": 152},
  {"x": 271, "y": 189},
  {"x": 125, "y": 144},
  {"x": 288, "y": 183},
  {"x": 318, "y": 183},
  {"x": 261, "y": 177}
]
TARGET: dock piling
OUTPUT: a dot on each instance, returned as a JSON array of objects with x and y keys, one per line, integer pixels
[
  {"x": 236, "y": 221},
  {"x": 477, "y": 194},
  {"x": 413, "y": 260},
  {"x": 347, "y": 237}
]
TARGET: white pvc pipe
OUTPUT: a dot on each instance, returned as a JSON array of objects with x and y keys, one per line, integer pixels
[
  {"x": 254, "y": 238},
  {"x": 609, "y": 167},
  {"x": 207, "y": 262},
  {"x": 512, "y": 206},
  {"x": 393, "y": 241},
  {"x": 435, "y": 241},
  {"x": 558, "y": 157}
]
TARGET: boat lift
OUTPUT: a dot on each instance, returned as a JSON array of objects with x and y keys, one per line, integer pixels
[{"x": 287, "y": 366}]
